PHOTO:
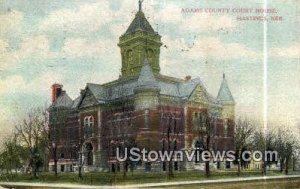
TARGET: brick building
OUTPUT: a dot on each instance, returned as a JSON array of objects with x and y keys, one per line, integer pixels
[{"x": 142, "y": 108}]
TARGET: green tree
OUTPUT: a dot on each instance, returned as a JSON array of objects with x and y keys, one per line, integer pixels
[
  {"x": 286, "y": 144},
  {"x": 243, "y": 132},
  {"x": 12, "y": 155},
  {"x": 263, "y": 141},
  {"x": 32, "y": 134}
]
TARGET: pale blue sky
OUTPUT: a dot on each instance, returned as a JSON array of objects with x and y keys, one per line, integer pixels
[{"x": 75, "y": 42}]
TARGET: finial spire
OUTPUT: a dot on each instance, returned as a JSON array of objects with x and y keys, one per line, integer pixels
[
  {"x": 224, "y": 94},
  {"x": 140, "y": 4}
]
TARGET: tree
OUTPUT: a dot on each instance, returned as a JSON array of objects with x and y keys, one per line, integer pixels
[
  {"x": 125, "y": 126},
  {"x": 57, "y": 132},
  {"x": 12, "y": 155},
  {"x": 286, "y": 145},
  {"x": 243, "y": 132},
  {"x": 32, "y": 134},
  {"x": 80, "y": 148},
  {"x": 204, "y": 124},
  {"x": 171, "y": 132},
  {"x": 263, "y": 142}
]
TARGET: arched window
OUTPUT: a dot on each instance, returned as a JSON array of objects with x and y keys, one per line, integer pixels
[
  {"x": 88, "y": 124},
  {"x": 130, "y": 58},
  {"x": 150, "y": 56},
  {"x": 225, "y": 129},
  {"x": 91, "y": 123}
]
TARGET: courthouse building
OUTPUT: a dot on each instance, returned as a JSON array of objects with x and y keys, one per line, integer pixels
[{"x": 142, "y": 108}]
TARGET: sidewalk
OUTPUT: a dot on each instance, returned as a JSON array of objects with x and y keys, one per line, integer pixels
[{"x": 150, "y": 185}]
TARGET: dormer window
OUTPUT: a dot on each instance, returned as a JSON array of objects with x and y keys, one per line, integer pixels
[{"x": 88, "y": 126}]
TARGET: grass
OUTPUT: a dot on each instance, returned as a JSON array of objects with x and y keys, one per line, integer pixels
[{"x": 101, "y": 178}]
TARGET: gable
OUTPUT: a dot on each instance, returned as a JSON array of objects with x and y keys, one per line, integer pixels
[
  {"x": 88, "y": 99},
  {"x": 199, "y": 96}
]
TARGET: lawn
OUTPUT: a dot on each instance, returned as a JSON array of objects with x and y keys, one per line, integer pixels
[{"x": 101, "y": 178}]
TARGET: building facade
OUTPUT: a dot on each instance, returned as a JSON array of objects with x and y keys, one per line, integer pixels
[{"x": 142, "y": 108}]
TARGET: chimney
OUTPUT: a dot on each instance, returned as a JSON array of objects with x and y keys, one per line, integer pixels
[
  {"x": 188, "y": 77},
  {"x": 56, "y": 91},
  {"x": 82, "y": 91}
]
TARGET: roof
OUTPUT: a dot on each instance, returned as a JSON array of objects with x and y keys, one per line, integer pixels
[
  {"x": 63, "y": 100},
  {"x": 98, "y": 91},
  {"x": 224, "y": 94},
  {"x": 146, "y": 77},
  {"x": 140, "y": 23},
  {"x": 76, "y": 102},
  {"x": 168, "y": 86}
]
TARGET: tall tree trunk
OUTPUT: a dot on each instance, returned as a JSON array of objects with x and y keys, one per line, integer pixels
[
  {"x": 170, "y": 170},
  {"x": 79, "y": 172},
  {"x": 35, "y": 172},
  {"x": 239, "y": 164},
  {"x": 263, "y": 168},
  {"x": 207, "y": 170},
  {"x": 55, "y": 168},
  {"x": 294, "y": 164},
  {"x": 55, "y": 160},
  {"x": 239, "y": 169},
  {"x": 125, "y": 169},
  {"x": 287, "y": 166},
  {"x": 171, "y": 174},
  {"x": 281, "y": 165}
]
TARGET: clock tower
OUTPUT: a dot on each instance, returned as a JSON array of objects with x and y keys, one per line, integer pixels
[{"x": 138, "y": 43}]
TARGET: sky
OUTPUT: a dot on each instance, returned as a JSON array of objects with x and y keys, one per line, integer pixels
[{"x": 74, "y": 42}]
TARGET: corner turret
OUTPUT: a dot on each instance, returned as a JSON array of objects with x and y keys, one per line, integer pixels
[
  {"x": 226, "y": 99},
  {"x": 147, "y": 89}
]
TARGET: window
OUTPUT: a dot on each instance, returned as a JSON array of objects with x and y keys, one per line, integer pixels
[
  {"x": 150, "y": 55},
  {"x": 199, "y": 149},
  {"x": 88, "y": 126},
  {"x": 147, "y": 118},
  {"x": 130, "y": 58},
  {"x": 215, "y": 127},
  {"x": 89, "y": 151},
  {"x": 62, "y": 155},
  {"x": 225, "y": 129},
  {"x": 195, "y": 120},
  {"x": 174, "y": 125},
  {"x": 199, "y": 121}
]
